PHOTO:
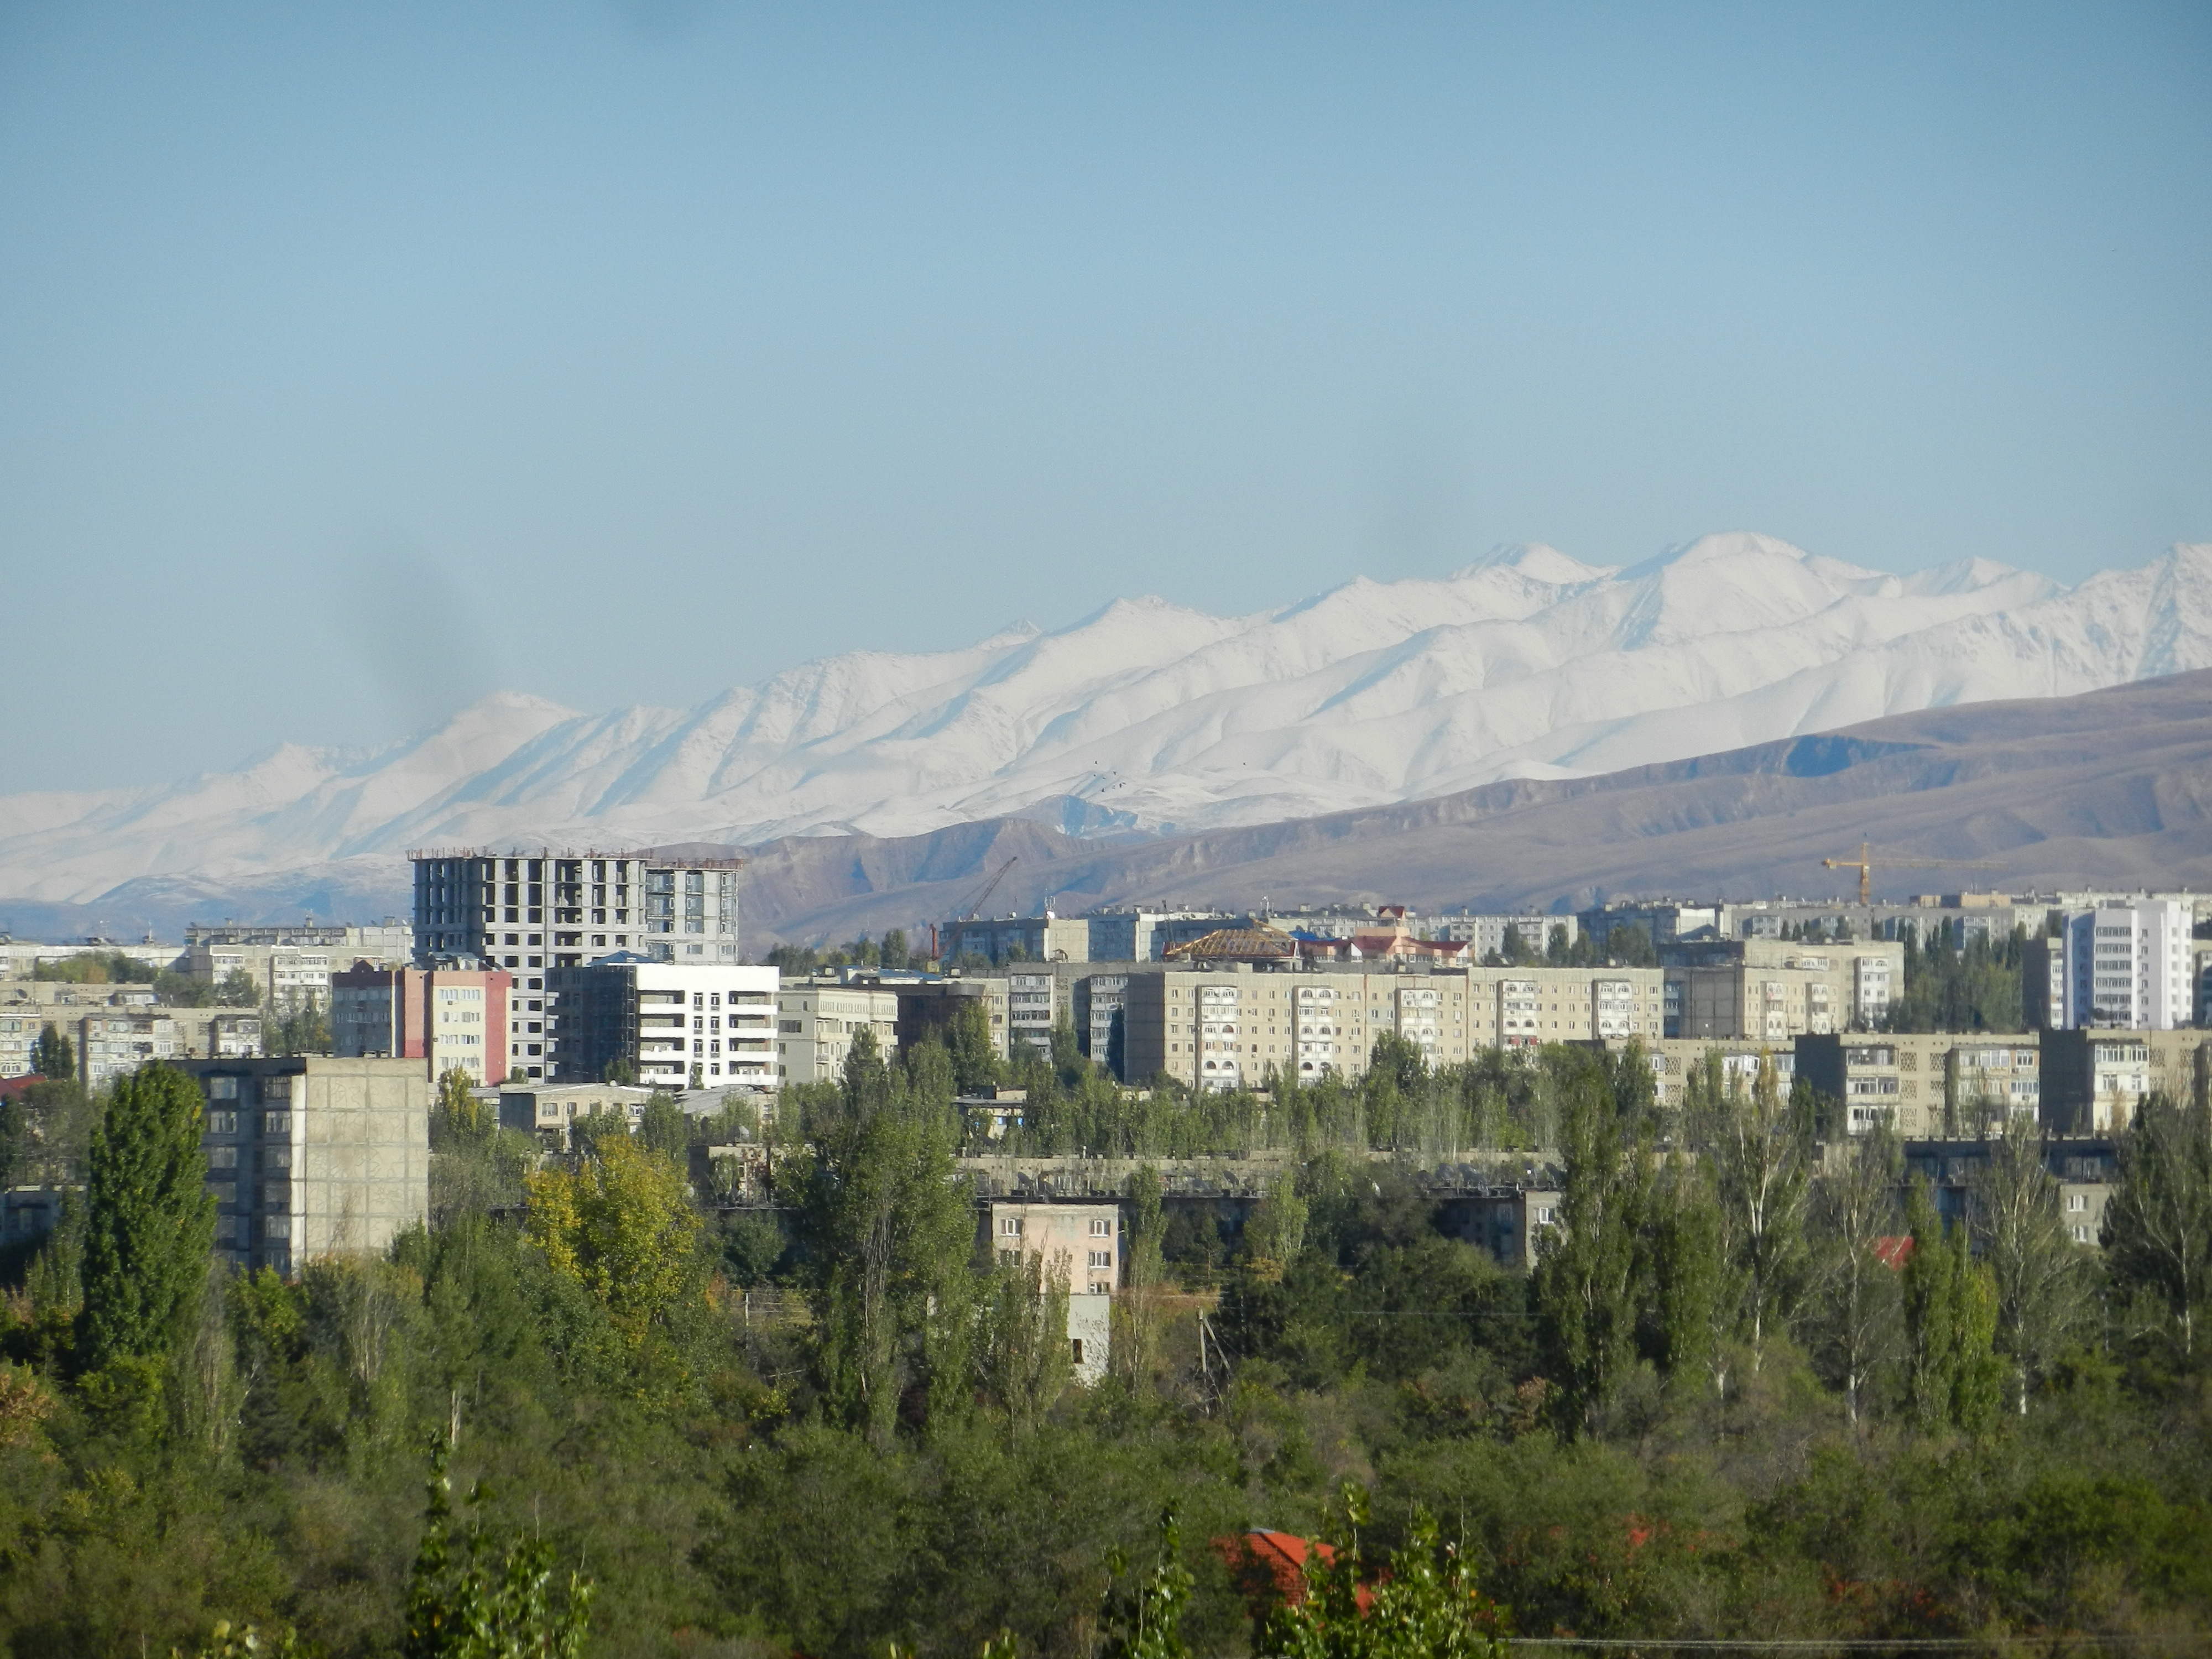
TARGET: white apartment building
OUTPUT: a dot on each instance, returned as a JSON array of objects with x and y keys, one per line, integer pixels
[
  {"x": 1486, "y": 933},
  {"x": 532, "y": 911},
  {"x": 680, "y": 1024},
  {"x": 815, "y": 1022},
  {"x": 2128, "y": 964}
]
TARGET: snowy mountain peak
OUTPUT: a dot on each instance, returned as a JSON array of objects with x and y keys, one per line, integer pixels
[{"x": 1145, "y": 714}]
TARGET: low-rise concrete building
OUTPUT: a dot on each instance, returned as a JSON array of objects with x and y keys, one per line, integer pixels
[
  {"x": 313, "y": 1156},
  {"x": 548, "y": 1112},
  {"x": 1079, "y": 1246}
]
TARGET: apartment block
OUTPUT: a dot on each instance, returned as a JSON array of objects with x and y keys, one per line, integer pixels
[
  {"x": 115, "y": 1043},
  {"x": 115, "y": 1028},
  {"x": 817, "y": 1020},
  {"x": 449, "y": 1018},
  {"x": 1139, "y": 935},
  {"x": 1033, "y": 1006},
  {"x": 1048, "y": 937},
  {"x": 927, "y": 1007},
  {"x": 2129, "y": 965},
  {"x": 289, "y": 975},
  {"x": 1486, "y": 934},
  {"x": 2094, "y": 1081},
  {"x": 313, "y": 1156},
  {"x": 1079, "y": 1244},
  {"x": 531, "y": 912},
  {"x": 1929, "y": 1084},
  {"x": 1674, "y": 1060},
  {"x": 680, "y": 1024},
  {"x": 2083, "y": 1169}
]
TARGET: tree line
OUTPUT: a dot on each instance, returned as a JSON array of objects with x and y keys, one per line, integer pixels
[{"x": 1754, "y": 1387}]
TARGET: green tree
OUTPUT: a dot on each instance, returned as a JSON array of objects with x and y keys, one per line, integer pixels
[
  {"x": 238, "y": 989},
  {"x": 1855, "y": 1303},
  {"x": 1691, "y": 1288},
  {"x": 664, "y": 1128},
  {"x": 1420, "y": 1602},
  {"x": 1142, "y": 1618},
  {"x": 886, "y": 1236},
  {"x": 150, "y": 1221},
  {"x": 468, "y": 1599},
  {"x": 2158, "y": 1224},
  {"x": 1761, "y": 1150},
  {"x": 621, "y": 1226},
  {"x": 1022, "y": 1360},
  {"x": 2041, "y": 1277},
  {"x": 53, "y": 1055},
  {"x": 1136, "y": 1310},
  {"x": 976, "y": 1063},
  {"x": 1590, "y": 1267},
  {"x": 1954, "y": 1378},
  {"x": 892, "y": 950}
]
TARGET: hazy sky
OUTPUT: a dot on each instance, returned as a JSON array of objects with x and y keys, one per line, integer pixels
[{"x": 355, "y": 360}]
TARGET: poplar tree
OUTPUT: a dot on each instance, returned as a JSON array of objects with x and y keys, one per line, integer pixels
[
  {"x": 1955, "y": 1378},
  {"x": 2040, "y": 1275},
  {"x": 149, "y": 1220},
  {"x": 1855, "y": 1303},
  {"x": 1591, "y": 1266},
  {"x": 53, "y": 1055},
  {"x": 887, "y": 1237},
  {"x": 2158, "y": 1225}
]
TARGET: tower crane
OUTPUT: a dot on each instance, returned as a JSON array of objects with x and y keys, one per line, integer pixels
[
  {"x": 974, "y": 908},
  {"x": 1864, "y": 864}
]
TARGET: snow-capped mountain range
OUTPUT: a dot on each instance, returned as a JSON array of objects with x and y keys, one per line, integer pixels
[{"x": 1147, "y": 717}]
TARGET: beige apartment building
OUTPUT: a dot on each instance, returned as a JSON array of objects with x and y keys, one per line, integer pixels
[
  {"x": 815, "y": 1022},
  {"x": 1928, "y": 1085},
  {"x": 2095, "y": 1081},
  {"x": 1080, "y": 1245},
  {"x": 1230, "y": 1027}
]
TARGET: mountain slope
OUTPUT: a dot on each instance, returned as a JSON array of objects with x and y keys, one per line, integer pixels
[
  {"x": 1147, "y": 719},
  {"x": 2110, "y": 788}
]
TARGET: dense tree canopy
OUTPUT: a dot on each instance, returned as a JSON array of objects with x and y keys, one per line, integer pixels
[{"x": 1750, "y": 1392}]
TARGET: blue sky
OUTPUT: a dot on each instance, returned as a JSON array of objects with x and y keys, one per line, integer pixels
[{"x": 355, "y": 361}]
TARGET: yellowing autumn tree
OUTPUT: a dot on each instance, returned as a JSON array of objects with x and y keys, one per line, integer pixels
[{"x": 622, "y": 1226}]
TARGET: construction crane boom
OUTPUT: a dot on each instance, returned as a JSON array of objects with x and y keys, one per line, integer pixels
[
  {"x": 975, "y": 905},
  {"x": 1864, "y": 864}
]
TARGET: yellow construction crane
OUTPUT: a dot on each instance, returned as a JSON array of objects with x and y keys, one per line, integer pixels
[{"x": 1864, "y": 864}]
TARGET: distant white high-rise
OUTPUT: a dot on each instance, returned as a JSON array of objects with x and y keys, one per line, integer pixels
[{"x": 2127, "y": 965}]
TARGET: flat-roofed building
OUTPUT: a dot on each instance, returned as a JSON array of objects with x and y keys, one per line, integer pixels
[
  {"x": 1928, "y": 1085},
  {"x": 550, "y": 1111},
  {"x": 817, "y": 1020},
  {"x": 1078, "y": 1245},
  {"x": 927, "y": 1007},
  {"x": 530, "y": 912},
  {"x": 449, "y": 1018},
  {"x": 677, "y": 1024},
  {"x": 2130, "y": 965},
  {"x": 313, "y": 1155},
  {"x": 2095, "y": 1081},
  {"x": 1001, "y": 940}
]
